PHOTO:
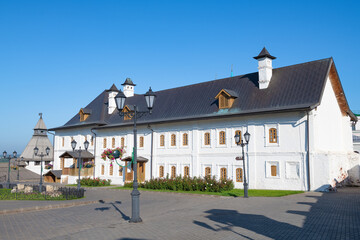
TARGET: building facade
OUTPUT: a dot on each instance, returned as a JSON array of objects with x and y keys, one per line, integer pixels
[{"x": 191, "y": 130}]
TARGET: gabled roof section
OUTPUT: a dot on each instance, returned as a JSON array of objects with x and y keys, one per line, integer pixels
[
  {"x": 339, "y": 92},
  {"x": 264, "y": 53},
  {"x": 113, "y": 89},
  {"x": 229, "y": 93},
  {"x": 128, "y": 81}
]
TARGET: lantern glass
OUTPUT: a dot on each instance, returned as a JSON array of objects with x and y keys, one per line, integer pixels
[
  {"x": 247, "y": 137},
  {"x": 86, "y": 144},
  {"x": 47, "y": 150},
  {"x": 73, "y": 144},
  {"x": 237, "y": 138},
  {"x": 150, "y": 98},
  {"x": 4, "y": 154},
  {"x": 15, "y": 154},
  {"x": 36, "y": 150},
  {"x": 120, "y": 101}
]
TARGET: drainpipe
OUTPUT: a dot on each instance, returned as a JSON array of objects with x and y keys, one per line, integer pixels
[
  {"x": 94, "y": 150},
  {"x": 152, "y": 147},
  {"x": 308, "y": 150}
]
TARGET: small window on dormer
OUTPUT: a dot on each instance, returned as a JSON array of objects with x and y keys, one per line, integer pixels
[
  {"x": 84, "y": 114},
  {"x": 226, "y": 98},
  {"x": 126, "y": 110}
]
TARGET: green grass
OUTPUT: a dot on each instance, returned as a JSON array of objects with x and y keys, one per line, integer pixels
[
  {"x": 75, "y": 185},
  {"x": 231, "y": 193},
  {"x": 5, "y": 194}
]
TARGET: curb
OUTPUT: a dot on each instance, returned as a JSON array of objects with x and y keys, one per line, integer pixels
[{"x": 48, "y": 207}]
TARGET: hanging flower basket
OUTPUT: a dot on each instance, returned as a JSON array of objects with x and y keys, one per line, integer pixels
[
  {"x": 48, "y": 166},
  {"x": 113, "y": 154},
  {"x": 14, "y": 167},
  {"x": 89, "y": 164}
]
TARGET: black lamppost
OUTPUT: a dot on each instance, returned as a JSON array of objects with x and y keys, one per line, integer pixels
[
  {"x": 18, "y": 168},
  {"x": 242, "y": 144},
  {"x": 41, "y": 155},
  {"x": 134, "y": 114},
  {"x": 73, "y": 145},
  {"x": 9, "y": 158}
]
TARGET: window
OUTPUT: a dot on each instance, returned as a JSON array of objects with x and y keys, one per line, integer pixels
[
  {"x": 102, "y": 169},
  {"x": 239, "y": 175},
  {"x": 273, "y": 170},
  {"x": 208, "y": 172},
  {"x": 122, "y": 142},
  {"x": 63, "y": 141},
  {"x": 173, "y": 172},
  {"x": 222, "y": 138},
  {"x": 173, "y": 140},
  {"x": 37, "y": 163},
  {"x": 238, "y": 132},
  {"x": 223, "y": 175},
  {"x": 272, "y": 135},
  {"x": 161, "y": 171},
  {"x": 162, "y": 140},
  {"x": 141, "y": 143},
  {"x": 111, "y": 170},
  {"x": 120, "y": 171},
  {"x": 207, "y": 138},
  {"x": 113, "y": 142},
  {"x": 62, "y": 163},
  {"x": 92, "y": 141},
  {"x": 104, "y": 143},
  {"x": 223, "y": 101},
  {"x": 185, "y": 139},
  {"x": 186, "y": 171}
]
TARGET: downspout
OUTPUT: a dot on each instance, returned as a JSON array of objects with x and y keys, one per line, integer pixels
[
  {"x": 308, "y": 150},
  {"x": 53, "y": 151},
  {"x": 94, "y": 140},
  {"x": 151, "y": 153}
]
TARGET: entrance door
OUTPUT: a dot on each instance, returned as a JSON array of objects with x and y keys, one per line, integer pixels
[
  {"x": 141, "y": 172},
  {"x": 129, "y": 173}
]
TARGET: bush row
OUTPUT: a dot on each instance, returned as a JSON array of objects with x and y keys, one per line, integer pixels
[
  {"x": 206, "y": 184},
  {"x": 94, "y": 182}
]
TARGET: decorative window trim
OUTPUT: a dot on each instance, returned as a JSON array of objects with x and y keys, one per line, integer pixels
[
  {"x": 204, "y": 138},
  {"x": 218, "y": 132},
  {"x": 269, "y": 169},
  {"x": 267, "y": 128}
]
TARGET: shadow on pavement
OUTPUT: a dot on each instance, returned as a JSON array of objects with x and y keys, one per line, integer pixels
[
  {"x": 125, "y": 217},
  {"x": 332, "y": 216}
]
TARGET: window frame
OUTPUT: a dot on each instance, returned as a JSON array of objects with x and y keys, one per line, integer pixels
[
  {"x": 186, "y": 171},
  {"x": 104, "y": 142},
  {"x": 185, "y": 138},
  {"x": 162, "y": 140},
  {"x": 173, "y": 140},
  {"x": 239, "y": 174},
  {"x": 207, "y": 139},
  {"x": 161, "y": 171},
  {"x": 223, "y": 171},
  {"x": 222, "y": 139},
  {"x": 173, "y": 171}
]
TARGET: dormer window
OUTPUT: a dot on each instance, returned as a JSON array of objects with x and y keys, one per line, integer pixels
[
  {"x": 125, "y": 110},
  {"x": 84, "y": 114},
  {"x": 226, "y": 98}
]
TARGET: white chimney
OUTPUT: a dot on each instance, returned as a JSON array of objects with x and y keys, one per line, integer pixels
[
  {"x": 128, "y": 88},
  {"x": 113, "y": 91},
  {"x": 265, "y": 68}
]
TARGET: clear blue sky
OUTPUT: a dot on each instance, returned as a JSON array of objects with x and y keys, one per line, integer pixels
[{"x": 57, "y": 56}]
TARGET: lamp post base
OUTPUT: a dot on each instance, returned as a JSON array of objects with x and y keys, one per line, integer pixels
[
  {"x": 135, "y": 200},
  {"x": 246, "y": 190}
]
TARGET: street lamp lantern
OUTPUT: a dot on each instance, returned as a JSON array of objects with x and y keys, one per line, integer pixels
[
  {"x": 150, "y": 98},
  {"x": 86, "y": 144},
  {"x": 120, "y": 100},
  {"x": 47, "y": 150},
  {"x": 4, "y": 154},
  {"x": 15, "y": 154},
  {"x": 73, "y": 144},
  {"x": 242, "y": 144},
  {"x": 36, "y": 150},
  {"x": 9, "y": 158}
]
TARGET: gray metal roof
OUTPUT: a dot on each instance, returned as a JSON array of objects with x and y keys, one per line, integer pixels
[
  {"x": 56, "y": 173},
  {"x": 291, "y": 88},
  {"x": 72, "y": 154},
  {"x": 40, "y": 124}
]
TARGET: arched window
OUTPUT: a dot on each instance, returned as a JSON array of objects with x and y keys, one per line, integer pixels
[
  {"x": 162, "y": 140},
  {"x": 161, "y": 171},
  {"x": 207, "y": 138},
  {"x": 102, "y": 170},
  {"x": 222, "y": 138},
  {"x": 63, "y": 141},
  {"x": 273, "y": 170},
  {"x": 141, "y": 142},
  {"x": 122, "y": 142},
  {"x": 104, "y": 143},
  {"x": 173, "y": 172},
  {"x": 272, "y": 135},
  {"x": 185, "y": 139},
  {"x": 239, "y": 175},
  {"x": 173, "y": 140},
  {"x": 186, "y": 171},
  {"x": 208, "y": 172},
  {"x": 113, "y": 142},
  {"x": 238, "y": 132},
  {"x": 223, "y": 175},
  {"x": 111, "y": 170}
]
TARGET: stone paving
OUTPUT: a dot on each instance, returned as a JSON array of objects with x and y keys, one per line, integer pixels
[{"x": 183, "y": 216}]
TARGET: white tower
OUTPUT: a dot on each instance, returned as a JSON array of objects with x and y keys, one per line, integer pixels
[
  {"x": 128, "y": 87},
  {"x": 113, "y": 91},
  {"x": 265, "y": 68}
]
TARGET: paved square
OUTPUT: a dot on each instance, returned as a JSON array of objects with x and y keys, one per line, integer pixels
[{"x": 184, "y": 216}]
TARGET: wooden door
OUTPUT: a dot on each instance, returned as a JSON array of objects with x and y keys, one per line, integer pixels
[
  {"x": 141, "y": 171},
  {"x": 129, "y": 176}
]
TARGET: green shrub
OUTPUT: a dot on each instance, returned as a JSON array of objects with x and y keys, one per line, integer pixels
[{"x": 94, "y": 182}]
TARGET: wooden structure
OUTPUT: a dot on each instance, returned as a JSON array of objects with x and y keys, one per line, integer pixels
[
  {"x": 53, "y": 176},
  {"x": 129, "y": 174}
]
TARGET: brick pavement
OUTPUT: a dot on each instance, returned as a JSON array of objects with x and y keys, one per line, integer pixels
[{"x": 178, "y": 216}]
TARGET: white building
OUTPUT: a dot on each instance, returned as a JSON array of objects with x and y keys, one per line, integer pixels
[{"x": 298, "y": 118}]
